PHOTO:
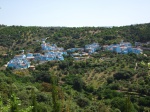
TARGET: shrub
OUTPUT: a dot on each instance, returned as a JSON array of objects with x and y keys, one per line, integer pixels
[
  {"x": 123, "y": 75},
  {"x": 82, "y": 102}
]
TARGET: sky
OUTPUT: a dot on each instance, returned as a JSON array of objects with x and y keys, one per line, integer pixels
[{"x": 74, "y": 13}]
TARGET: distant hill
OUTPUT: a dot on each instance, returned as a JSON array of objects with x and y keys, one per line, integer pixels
[{"x": 20, "y": 37}]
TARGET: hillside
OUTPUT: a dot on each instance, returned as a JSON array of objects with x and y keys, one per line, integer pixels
[
  {"x": 20, "y": 37},
  {"x": 106, "y": 82}
]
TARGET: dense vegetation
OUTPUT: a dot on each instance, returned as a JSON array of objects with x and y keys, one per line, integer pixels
[
  {"x": 106, "y": 82},
  {"x": 20, "y": 37}
]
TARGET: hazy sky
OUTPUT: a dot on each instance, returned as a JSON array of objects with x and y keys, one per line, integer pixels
[{"x": 74, "y": 13}]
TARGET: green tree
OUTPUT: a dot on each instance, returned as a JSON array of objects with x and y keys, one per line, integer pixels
[
  {"x": 14, "y": 103},
  {"x": 56, "y": 104},
  {"x": 78, "y": 84},
  {"x": 4, "y": 108},
  {"x": 33, "y": 103}
]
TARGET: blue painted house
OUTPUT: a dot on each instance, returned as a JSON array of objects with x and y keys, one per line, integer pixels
[
  {"x": 18, "y": 63},
  {"x": 53, "y": 52},
  {"x": 91, "y": 48},
  {"x": 116, "y": 48},
  {"x": 30, "y": 56},
  {"x": 37, "y": 56},
  {"x": 51, "y": 56},
  {"x": 22, "y": 56},
  {"x": 137, "y": 50},
  {"x": 123, "y": 48}
]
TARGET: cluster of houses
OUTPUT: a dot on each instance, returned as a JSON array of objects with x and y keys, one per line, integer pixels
[
  {"x": 19, "y": 62},
  {"x": 123, "y": 48},
  {"x": 84, "y": 53},
  {"x": 52, "y": 52}
]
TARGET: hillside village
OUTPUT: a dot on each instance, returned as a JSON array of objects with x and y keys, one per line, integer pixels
[
  {"x": 54, "y": 53},
  {"x": 123, "y": 48},
  {"x": 88, "y": 69}
]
